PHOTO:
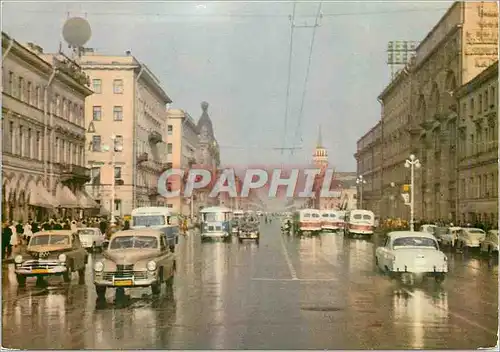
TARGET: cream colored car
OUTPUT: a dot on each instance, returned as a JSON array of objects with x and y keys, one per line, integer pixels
[
  {"x": 52, "y": 253},
  {"x": 135, "y": 258}
]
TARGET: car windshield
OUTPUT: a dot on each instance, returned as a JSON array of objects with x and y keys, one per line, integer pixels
[
  {"x": 414, "y": 242},
  {"x": 315, "y": 215},
  {"x": 50, "y": 239},
  {"x": 86, "y": 232},
  {"x": 210, "y": 217},
  {"x": 148, "y": 220},
  {"x": 324, "y": 215},
  {"x": 125, "y": 242}
]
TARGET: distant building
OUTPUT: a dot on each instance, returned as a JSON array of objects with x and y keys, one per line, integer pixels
[
  {"x": 43, "y": 133},
  {"x": 182, "y": 134},
  {"x": 129, "y": 103},
  {"x": 320, "y": 161}
]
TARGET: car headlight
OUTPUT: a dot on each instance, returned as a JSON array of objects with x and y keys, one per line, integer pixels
[
  {"x": 18, "y": 259},
  {"x": 98, "y": 266},
  {"x": 151, "y": 265},
  {"x": 62, "y": 258}
]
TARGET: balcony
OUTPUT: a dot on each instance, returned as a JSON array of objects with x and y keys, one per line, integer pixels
[
  {"x": 74, "y": 173},
  {"x": 73, "y": 70},
  {"x": 153, "y": 193},
  {"x": 142, "y": 158},
  {"x": 155, "y": 137},
  {"x": 165, "y": 166}
]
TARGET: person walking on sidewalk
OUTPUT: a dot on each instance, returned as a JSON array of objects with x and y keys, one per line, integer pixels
[{"x": 6, "y": 235}]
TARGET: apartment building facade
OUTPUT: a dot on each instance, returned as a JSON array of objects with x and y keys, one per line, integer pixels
[
  {"x": 43, "y": 133},
  {"x": 478, "y": 148},
  {"x": 126, "y": 131},
  {"x": 420, "y": 110}
]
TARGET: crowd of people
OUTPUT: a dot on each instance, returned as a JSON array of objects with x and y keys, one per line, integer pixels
[{"x": 18, "y": 233}]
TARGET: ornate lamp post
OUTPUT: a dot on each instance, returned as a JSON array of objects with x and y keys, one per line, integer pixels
[{"x": 412, "y": 163}]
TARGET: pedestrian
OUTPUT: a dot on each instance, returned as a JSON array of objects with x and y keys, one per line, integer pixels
[
  {"x": 14, "y": 240},
  {"x": 27, "y": 231},
  {"x": 73, "y": 226},
  {"x": 6, "y": 235}
]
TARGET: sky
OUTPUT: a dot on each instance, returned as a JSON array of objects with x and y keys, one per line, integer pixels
[{"x": 235, "y": 55}]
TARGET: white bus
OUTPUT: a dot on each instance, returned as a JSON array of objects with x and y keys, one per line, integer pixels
[{"x": 157, "y": 218}]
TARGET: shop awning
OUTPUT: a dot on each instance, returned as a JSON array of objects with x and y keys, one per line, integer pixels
[
  {"x": 38, "y": 196},
  {"x": 66, "y": 198},
  {"x": 85, "y": 201}
]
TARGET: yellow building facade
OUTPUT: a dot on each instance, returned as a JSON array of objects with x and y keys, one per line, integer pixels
[
  {"x": 128, "y": 105},
  {"x": 43, "y": 133}
]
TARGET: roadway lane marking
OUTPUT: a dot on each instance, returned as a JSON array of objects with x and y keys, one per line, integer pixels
[
  {"x": 456, "y": 315},
  {"x": 293, "y": 272},
  {"x": 306, "y": 280}
]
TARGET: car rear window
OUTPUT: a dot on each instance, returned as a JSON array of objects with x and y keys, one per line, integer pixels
[
  {"x": 367, "y": 217},
  {"x": 315, "y": 215},
  {"x": 414, "y": 242},
  {"x": 357, "y": 216}
]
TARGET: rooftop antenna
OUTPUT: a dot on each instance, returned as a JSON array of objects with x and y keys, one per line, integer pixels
[{"x": 76, "y": 32}]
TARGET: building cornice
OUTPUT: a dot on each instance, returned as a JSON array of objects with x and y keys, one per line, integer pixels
[
  {"x": 25, "y": 54},
  {"x": 490, "y": 73},
  {"x": 394, "y": 83}
]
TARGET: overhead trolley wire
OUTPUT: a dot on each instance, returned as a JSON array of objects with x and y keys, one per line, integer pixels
[
  {"x": 234, "y": 15},
  {"x": 288, "y": 84},
  {"x": 306, "y": 80}
]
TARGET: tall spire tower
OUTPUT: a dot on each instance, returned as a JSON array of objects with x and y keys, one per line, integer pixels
[{"x": 320, "y": 156}]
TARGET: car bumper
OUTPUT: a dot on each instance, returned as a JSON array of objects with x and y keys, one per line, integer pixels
[
  {"x": 421, "y": 269},
  {"x": 472, "y": 244},
  {"x": 248, "y": 237},
  {"x": 215, "y": 235},
  {"x": 57, "y": 270},
  {"x": 125, "y": 283}
]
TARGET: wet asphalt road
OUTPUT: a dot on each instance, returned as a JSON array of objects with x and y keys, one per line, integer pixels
[{"x": 286, "y": 293}]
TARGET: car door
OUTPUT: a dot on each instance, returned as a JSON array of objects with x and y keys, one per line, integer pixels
[{"x": 386, "y": 252}]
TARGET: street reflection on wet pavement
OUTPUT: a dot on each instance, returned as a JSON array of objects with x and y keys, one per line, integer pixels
[{"x": 286, "y": 293}]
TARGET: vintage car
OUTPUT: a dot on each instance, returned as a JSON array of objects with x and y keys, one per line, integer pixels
[
  {"x": 235, "y": 226},
  {"x": 490, "y": 242},
  {"x": 135, "y": 258},
  {"x": 286, "y": 225},
  {"x": 91, "y": 238},
  {"x": 52, "y": 253},
  {"x": 413, "y": 253},
  {"x": 428, "y": 228},
  {"x": 469, "y": 237},
  {"x": 449, "y": 237},
  {"x": 249, "y": 231}
]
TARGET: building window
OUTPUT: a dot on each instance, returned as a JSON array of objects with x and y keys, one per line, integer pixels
[
  {"x": 96, "y": 113},
  {"x": 471, "y": 105},
  {"x": 486, "y": 99},
  {"x": 64, "y": 107},
  {"x": 118, "y": 172},
  {"x": 10, "y": 88},
  {"x": 29, "y": 145},
  {"x": 29, "y": 91},
  {"x": 118, "y": 86},
  {"x": 37, "y": 97},
  {"x": 58, "y": 105},
  {"x": 21, "y": 141},
  {"x": 95, "y": 175},
  {"x": 118, "y": 113},
  {"x": 169, "y": 148},
  {"x": 12, "y": 145},
  {"x": 170, "y": 205},
  {"x": 118, "y": 143},
  {"x": 118, "y": 204},
  {"x": 480, "y": 104},
  {"x": 38, "y": 146},
  {"x": 493, "y": 97},
  {"x": 170, "y": 129},
  {"x": 96, "y": 143},
  {"x": 56, "y": 147},
  {"x": 20, "y": 89},
  {"x": 97, "y": 86}
]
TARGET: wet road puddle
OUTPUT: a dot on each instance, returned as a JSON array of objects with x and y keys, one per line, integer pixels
[{"x": 322, "y": 309}]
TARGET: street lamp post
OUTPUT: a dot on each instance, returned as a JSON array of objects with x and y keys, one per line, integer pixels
[
  {"x": 113, "y": 150},
  {"x": 412, "y": 163},
  {"x": 360, "y": 181}
]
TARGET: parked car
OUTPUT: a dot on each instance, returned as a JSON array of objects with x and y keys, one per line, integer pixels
[
  {"x": 490, "y": 242},
  {"x": 91, "y": 238},
  {"x": 51, "y": 253},
  {"x": 428, "y": 228},
  {"x": 135, "y": 258},
  {"x": 469, "y": 237},
  {"x": 414, "y": 254},
  {"x": 449, "y": 238}
]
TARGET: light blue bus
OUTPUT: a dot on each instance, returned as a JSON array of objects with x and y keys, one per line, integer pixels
[
  {"x": 216, "y": 223},
  {"x": 157, "y": 218}
]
